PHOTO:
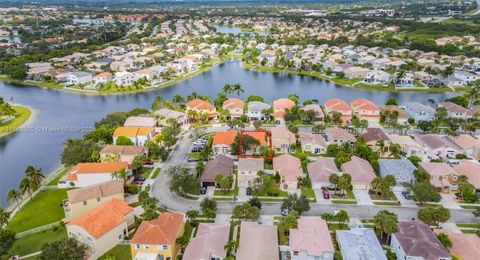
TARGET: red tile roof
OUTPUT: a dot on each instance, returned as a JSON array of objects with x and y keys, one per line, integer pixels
[{"x": 160, "y": 231}]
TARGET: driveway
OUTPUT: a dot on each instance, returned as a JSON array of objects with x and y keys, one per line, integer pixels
[
  {"x": 362, "y": 197},
  {"x": 448, "y": 201},
  {"x": 242, "y": 194},
  {"x": 319, "y": 197},
  {"x": 403, "y": 200}
]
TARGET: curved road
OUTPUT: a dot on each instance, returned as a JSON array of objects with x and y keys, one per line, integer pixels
[{"x": 160, "y": 189}]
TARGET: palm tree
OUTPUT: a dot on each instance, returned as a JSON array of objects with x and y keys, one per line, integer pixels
[
  {"x": 182, "y": 242},
  {"x": 35, "y": 175},
  {"x": 333, "y": 178},
  {"x": 386, "y": 222},
  {"x": 25, "y": 186},
  {"x": 381, "y": 146},
  {"x": 4, "y": 217},
  {"x": 122, "y": 174},
  {"x": 14, "y": 195},
  {"x": 230, "y": 247},
  {"x": 237, "y": 88},
  {"x": 473, "y": 93}
]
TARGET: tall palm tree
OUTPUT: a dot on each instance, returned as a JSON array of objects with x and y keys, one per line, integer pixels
[
  {"x": 237, "y": 88},
  {"x": 35, "y": 175},
  {"x": 14, "y": 195},
  {"x": 4, "y": 217},
  {"x": 122, "y": 174},
  {"x": 25, "y": 186}
]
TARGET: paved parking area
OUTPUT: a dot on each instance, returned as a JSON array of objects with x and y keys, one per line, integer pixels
[
  {"x": 319, "y": 197},
  {"x": 362, "y": 197},
  {"x": 403, "y": 200},
  {"x": 242, "y": 194},
  {"x": 449, "y": 202}
]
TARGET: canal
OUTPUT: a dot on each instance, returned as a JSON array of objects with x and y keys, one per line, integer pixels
[{"x": 62, "y": 114}]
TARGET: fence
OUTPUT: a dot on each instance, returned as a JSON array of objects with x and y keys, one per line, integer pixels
[{"x": 38, "y": 229}]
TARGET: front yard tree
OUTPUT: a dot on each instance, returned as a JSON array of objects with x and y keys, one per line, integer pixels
[
  {"x": 138, "y": 162},
  {"x": 297, "y": 203},
  {"x": 78, "y": 151},
  {"x": 182, "y": 182},
  {"x": 224, "y": 182},
  {"x": 344, "y": 182},
  {"x": 246, "y": 211},
  {"x": 386, "y": 223},
  {"x": 122, "y": 140},
  {"x": 208, "y": 203},
  {"x": 67, "y": 249},
  {"x": 433, "y": 215},
  {"x": 476, "y": 212},
  {"x": 425, "y": 192},
  {"x": 255, "y": 202}
]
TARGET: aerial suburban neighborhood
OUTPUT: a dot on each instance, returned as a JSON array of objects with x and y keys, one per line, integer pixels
[{"x": 203, "y": 130}]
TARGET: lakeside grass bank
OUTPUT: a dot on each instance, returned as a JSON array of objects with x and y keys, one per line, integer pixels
[{"x": 22, "y": 114}]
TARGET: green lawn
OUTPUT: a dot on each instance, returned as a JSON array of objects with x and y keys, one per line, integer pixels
[
  {"x": 390, "y": 196},
  {"x": 194, "y": 155},
  {"x": 344, "y": 201},
  {"x": 34, "y": 242},
  {"x": 21, "y": 116},
  {"x": 469, "y": 225},
  {"x": 282, "y": 238},
  {"x": 59, "y": 176},
  {"x": 381, "y": 203},
  {"x": 135, "y": 204},
  {"x": 155, "y": 173},
  {"x": 308, "y": 192},
  {"x": 45, "y": 208},
  {"x": 147, "y": 173},
  {"x": 219, "y": 192},
  {"x": 119, "y": 252},
  {"x": 469, "y": 207},
  {"x": 348, "y": 195}
]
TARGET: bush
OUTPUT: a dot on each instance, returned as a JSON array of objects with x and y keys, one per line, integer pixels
[{"x": 133, "y": 189}]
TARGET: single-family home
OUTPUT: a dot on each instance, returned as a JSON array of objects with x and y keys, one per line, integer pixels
[
  {"x": 257, "y": 242},
  {"x": 279, "y": 107},
  {"x": 455, "y": 111},
  {"x": 319, "y": 172},
  {"x": 202, "y": 106},
  {"x": 356, "y": 72},
  {"x": 290, "y": 168},
  {"x": 402, "y": 169},
  {"x": 156, "y": 239},
  {"x": 313, "y": 143},
  {"x": 339, "y": 136},
  {"x": 140, "y": 121},
  {"x": 209, "y": 243},
  {"x": 340, "y": 106},
  {"x": 282, "y": 138},
  {"x": 318, "y": 112},
  {"x": 124, "y": 78},
  {"x": 222, "y": 165},
  {"x": 377, "y": 77},
  {"x": 377, "y": 139},
  {"x": 409, "y": 146},
  {"x": 223, "y": 140},
  {"x": 438, "y": 146},
  {"x": 255, "y": 110},
  {"x": 419, "y": 111},
  {"x": 102, "y": 78},
  {"x": 365, "y": 109},
  {"x": 121, "y": 153},
  {"x": 165, "y": 114},
  {"x": 415, "y": 240},
  {"x": 103, "y": 227},
  {"x": 401, "y": 115},
  {"x": 79, "y": 77},
  {"x": 359, "y": 244},
  {"x": 442, "y": 176},
  {"x": 470, "y": 170},
  {"x": 86, "y": 174},
  {"x": 465, "y": 77},
  {"x": 468, "y": 144},
  {"x": 361, "y": 172},
  {"x": 311, "y": 240},
  {"x": 464, "y": 246},
  {"x": 138, "y": 135},
  {"x": 247, "y": 171},
  {"x": 234, "y": 106},
  {"x": 82, "y": 200}
]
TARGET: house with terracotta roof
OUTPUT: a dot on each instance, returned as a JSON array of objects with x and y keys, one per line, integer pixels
[
  {"x": 279, "y": 107},
  {"x": 464, "y": 246},
  {"x": 235, "y": 107},
  {"x": 360, "y": 244},
  {"x": 282, "y": 138},
  {"x": 469, "y": 145},
  {"x": 85, "y": 199},
  {"x": 471, "y": 170},
  {"x": 365, "y": 109},
  {"x": 339, "y": 136},
  {"x": 311, "y": 240},
  {"x": 408, "y": 145},
  {"x": 361, "y": 172},
  {"x": 209, "y": 243},
  {"x": 320, "y": 170},
  {"x": 438, "y": 146},
  {"x": 102, "y": 78},
  {"x": 290, "y": 168},
  {"x": 86, "y": 174},
  {"x": 442, "y": 176},
  {"x": 138, "y": 135},
  {"x": 247, "y": 170},
  {"x": 222, "y": 141},
  {"x": 103, "y": 227},
  {"x": 257, "y": 242},
  {"x": 341, "y": 106},
  {"x": 415, "y": 240},
  {"x": 221, "y": 165},
  {"x": 203, "y": 107},
  {"x": 155, "y": 239},
  {"x": 121, "y": 153},
  {"x": 313, "y": 143}
]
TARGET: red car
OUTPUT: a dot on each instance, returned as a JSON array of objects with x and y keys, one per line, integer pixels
[{"x": 326, "y": 194}]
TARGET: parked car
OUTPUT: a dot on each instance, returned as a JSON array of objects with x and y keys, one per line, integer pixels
[
  {"x": 284, "y": 212},
  {"x": 139, "y": 178},
  {"x": 196, "y": 149},
  {"x": 192, "y": 159},
  {"x": 138, "y": 182},
  {"x": 249, "y": 191},
  {"x": 326, "y": 194},
  {"x": 407, "y": 195},
  {"x": 149, "y": 162},
  {"x": 203, "y": 190}
]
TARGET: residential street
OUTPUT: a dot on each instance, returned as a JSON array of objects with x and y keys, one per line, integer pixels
[{"x": 160, "y": 189}]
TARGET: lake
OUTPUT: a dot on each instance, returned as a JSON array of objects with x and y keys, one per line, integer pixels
[{"x": 62, "y": 114}]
